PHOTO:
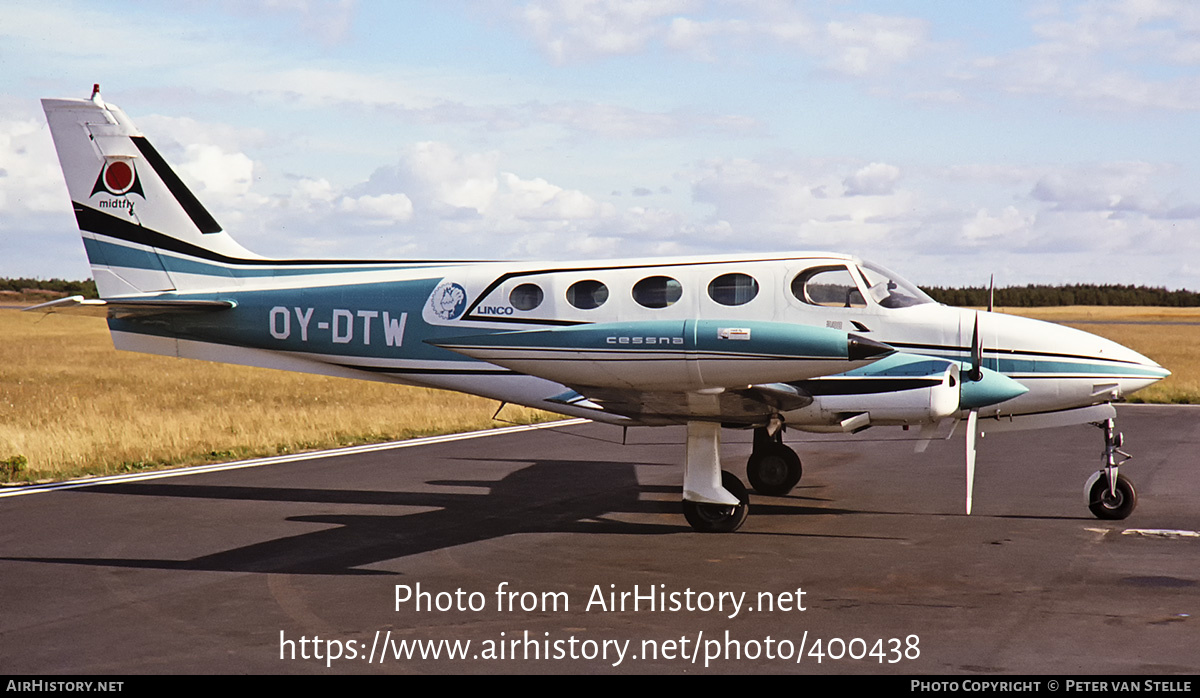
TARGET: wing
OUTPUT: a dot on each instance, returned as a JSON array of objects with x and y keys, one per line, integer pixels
[
  {"x": 900, "y": 389},
  {"x": 747, "y": 406},
  {"x": 735, "y": 372}
]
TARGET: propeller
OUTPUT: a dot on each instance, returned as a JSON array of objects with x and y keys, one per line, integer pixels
[
  {"x": 971, "y": 431},
  {"x": 975, "y": 374}
]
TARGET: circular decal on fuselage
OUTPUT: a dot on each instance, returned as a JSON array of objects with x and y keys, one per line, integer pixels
[{"x": 448, "y": 301}]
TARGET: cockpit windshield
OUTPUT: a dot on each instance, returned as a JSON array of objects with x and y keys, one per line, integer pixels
[{"x": 889, "y": 289}]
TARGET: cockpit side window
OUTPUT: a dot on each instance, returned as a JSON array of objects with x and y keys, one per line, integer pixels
[
  {"x": 890, "y": 290},
  {"x": 831, "y": 287}
]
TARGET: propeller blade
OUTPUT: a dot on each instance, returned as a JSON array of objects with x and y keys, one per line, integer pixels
[
  {"x": 976, "y": 372},
  {"x": 971, "y": 433},
  {"x": 991, "y": 292}
]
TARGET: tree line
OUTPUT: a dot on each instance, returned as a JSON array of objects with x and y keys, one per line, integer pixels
[
  {"x": 87, "y": 289},
  {"x": 1076, "y": 294}
]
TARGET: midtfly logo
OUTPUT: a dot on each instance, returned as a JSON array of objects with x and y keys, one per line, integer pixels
[{"x": 118, "y": 177}]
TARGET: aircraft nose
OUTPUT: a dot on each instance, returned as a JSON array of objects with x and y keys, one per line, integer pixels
[
  {"x": 1116, "y": 369},
  {"x": 863, "y": 349}
]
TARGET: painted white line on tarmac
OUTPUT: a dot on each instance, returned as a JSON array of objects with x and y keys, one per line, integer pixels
[
  {"x": 273, "y": 460},
  {"x": 1161, "y": 533}
]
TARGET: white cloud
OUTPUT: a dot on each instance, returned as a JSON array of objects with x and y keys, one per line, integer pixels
[
  {"x": 799, "y": 203},
  {"x": 1115, "y": 187},
  {"x": 857, "y": 45},
  {"x": 379, "y": 210},
  {"x": 1108, "y": 55},
  {"x": 876, "y": 179},
  {"x": 1008, "y": 228},
  {"x": 867, "y": 44},
  {"x": 587, "y": 118},
  {"x": 574, "y": 29},
  {"x": 328, "y": 20},
  {"x": 30, "y": 180},
  {"x": 218, "y": 173}
]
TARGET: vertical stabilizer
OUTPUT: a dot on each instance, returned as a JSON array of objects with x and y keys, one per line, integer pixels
[{"x": 137, "y": 217}]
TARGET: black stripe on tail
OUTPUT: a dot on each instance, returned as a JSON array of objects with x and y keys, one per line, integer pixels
[{"x": 195, "y": 210}]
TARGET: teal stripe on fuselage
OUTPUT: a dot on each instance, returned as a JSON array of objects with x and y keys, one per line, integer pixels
[
  {"x": 379, "y": 320},
  {"x": 1040, "y": 366},
  {"x": 1037, "y": 367},
  {"x": 137, "y": 257}
]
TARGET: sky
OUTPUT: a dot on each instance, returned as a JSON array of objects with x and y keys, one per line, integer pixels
[{"x": 1040, "y": 142}]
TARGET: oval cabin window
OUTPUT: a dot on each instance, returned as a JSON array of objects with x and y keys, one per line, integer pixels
[
  {"x": 733, "y": 289},
  {"x": 587, "y": 295},
  {"x": 526, "y": 296},
  {"x": 657, "y": 291}
]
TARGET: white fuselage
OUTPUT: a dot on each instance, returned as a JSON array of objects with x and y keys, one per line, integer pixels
[{"x": 1062, "y": 368}]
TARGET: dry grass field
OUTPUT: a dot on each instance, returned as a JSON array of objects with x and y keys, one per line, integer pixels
[
  {"x": 1170, "y": 336},
  {"x": 71, "y": 405}
]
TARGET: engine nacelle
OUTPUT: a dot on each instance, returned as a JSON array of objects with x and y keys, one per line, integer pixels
[{"x": 901, "y": 389}]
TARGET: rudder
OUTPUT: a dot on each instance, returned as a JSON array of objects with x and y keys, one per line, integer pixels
[{"x": 136, "y": 215}]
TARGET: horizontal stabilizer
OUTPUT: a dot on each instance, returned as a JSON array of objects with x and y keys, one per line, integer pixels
[{"x": 128, "y": 308}]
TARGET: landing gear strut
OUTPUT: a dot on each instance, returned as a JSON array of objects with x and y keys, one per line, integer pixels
[
  {"x": 773, "y": 468},
  {"x": 1110, "y": 494},
  {"x": 714, "y": 501}
]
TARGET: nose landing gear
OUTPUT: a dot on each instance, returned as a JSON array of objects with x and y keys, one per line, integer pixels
[{"x": 1111, "y": 495}]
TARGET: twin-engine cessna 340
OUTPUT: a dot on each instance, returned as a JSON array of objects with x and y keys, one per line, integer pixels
[{"x": 818, "y": 342}]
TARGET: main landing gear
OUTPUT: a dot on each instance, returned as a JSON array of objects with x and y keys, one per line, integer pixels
[
  {"x": 715, "y": 501},
  {"x": 773, "y": 468},
  {"x": 1111, "y": 495},
  {"x": 720, "y": 518}
]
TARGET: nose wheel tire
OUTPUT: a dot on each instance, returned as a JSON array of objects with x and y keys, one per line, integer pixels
[
  {"x": 774, "y": 470},
  {"x": 1105, "y": 505},
  {"x": 720, "y": 518}
]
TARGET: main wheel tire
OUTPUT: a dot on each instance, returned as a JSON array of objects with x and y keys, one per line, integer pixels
[
  {"x": 720, "y": 518},
  {"x": 774, "y": 471},
  {"x": 1104, "y": 505}
]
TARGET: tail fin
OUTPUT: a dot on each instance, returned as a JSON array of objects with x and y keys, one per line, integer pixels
[{"x": 140, "y": 223}]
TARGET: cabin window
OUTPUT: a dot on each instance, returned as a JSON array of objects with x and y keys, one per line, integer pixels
[
  {"x": 733, "y": 289},
  {"x": 587, "y": 295},
  {"x": 832, "y": 287},
  {"x": 657, "y": 291},
  {"x": 526, "y": 296}
]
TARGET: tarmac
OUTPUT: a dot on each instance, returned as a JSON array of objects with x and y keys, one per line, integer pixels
[{"x": 561, "y": 550}]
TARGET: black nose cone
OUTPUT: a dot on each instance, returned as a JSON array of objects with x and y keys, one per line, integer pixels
[{"x": 863, "y": 349}]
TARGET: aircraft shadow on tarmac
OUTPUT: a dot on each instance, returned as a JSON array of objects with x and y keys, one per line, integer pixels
[{"x": 551, "y": 496}]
